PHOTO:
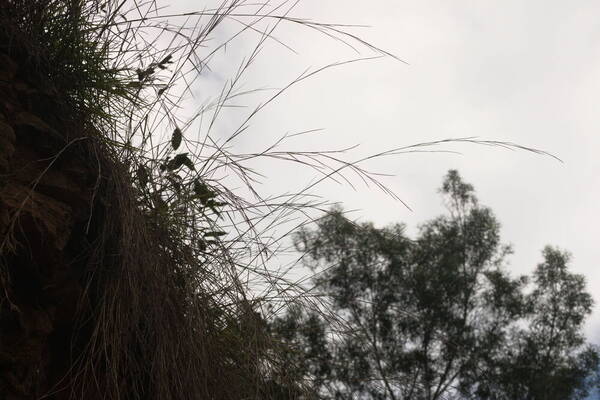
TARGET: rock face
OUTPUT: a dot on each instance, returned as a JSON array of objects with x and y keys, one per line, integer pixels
[{"x": 46, "y": 204}]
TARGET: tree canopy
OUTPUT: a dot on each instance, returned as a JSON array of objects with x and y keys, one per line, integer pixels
[{"x": 438, "y": 316}]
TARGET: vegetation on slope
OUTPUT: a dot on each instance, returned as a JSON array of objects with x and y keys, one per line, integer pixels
[{"x": 115, "y": 284}]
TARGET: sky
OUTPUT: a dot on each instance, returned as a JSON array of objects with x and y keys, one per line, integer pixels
[{"x": 526, "y": 72}]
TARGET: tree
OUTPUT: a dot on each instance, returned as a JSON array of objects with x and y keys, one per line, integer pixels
[
  {"x": 548, "y": 359},
  {"x": 438, "y": 317}
]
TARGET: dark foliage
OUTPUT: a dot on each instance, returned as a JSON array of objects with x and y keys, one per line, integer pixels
[{"x": 439, "y": 317}]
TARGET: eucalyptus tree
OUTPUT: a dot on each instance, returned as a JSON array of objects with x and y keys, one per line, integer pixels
[
  {"x": 437, "y": 317},
  {"x": 547, "y": 357}
]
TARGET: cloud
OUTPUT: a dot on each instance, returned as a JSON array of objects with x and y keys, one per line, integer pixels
[{"x": 526, "y": 72}]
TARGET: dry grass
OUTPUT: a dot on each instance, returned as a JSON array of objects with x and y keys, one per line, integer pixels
[{"x": 167, "y": 311}]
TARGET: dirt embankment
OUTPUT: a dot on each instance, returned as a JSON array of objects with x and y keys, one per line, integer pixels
[{"x": 46, "y": 224}]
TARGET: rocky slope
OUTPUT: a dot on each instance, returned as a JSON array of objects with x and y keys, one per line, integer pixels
[{"x": 46, "y": 223}]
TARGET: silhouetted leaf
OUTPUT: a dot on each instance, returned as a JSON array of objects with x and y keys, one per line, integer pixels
[
  {"x": 213, "y": 206},
  {"x": 137, "y": 85},
  {"x": 215, "y": 233},
  {"x": 188, "y": 163},
  {"x": 164, "y": 61},
  {"x": 202, "y": 191},
  {"x": 179, "y": 161},
  {"x": 176, "y": 138}
]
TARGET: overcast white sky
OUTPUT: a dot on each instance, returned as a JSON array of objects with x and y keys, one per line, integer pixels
[{"x": 521, "y": 71}]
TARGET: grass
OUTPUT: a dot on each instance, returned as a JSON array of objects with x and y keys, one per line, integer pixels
[{"x": 170, "y": 252}]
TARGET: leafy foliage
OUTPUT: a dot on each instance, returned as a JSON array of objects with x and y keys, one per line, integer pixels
[
  {"x": 439, "y": 317},
  {"x": 549, "y": 359}
]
